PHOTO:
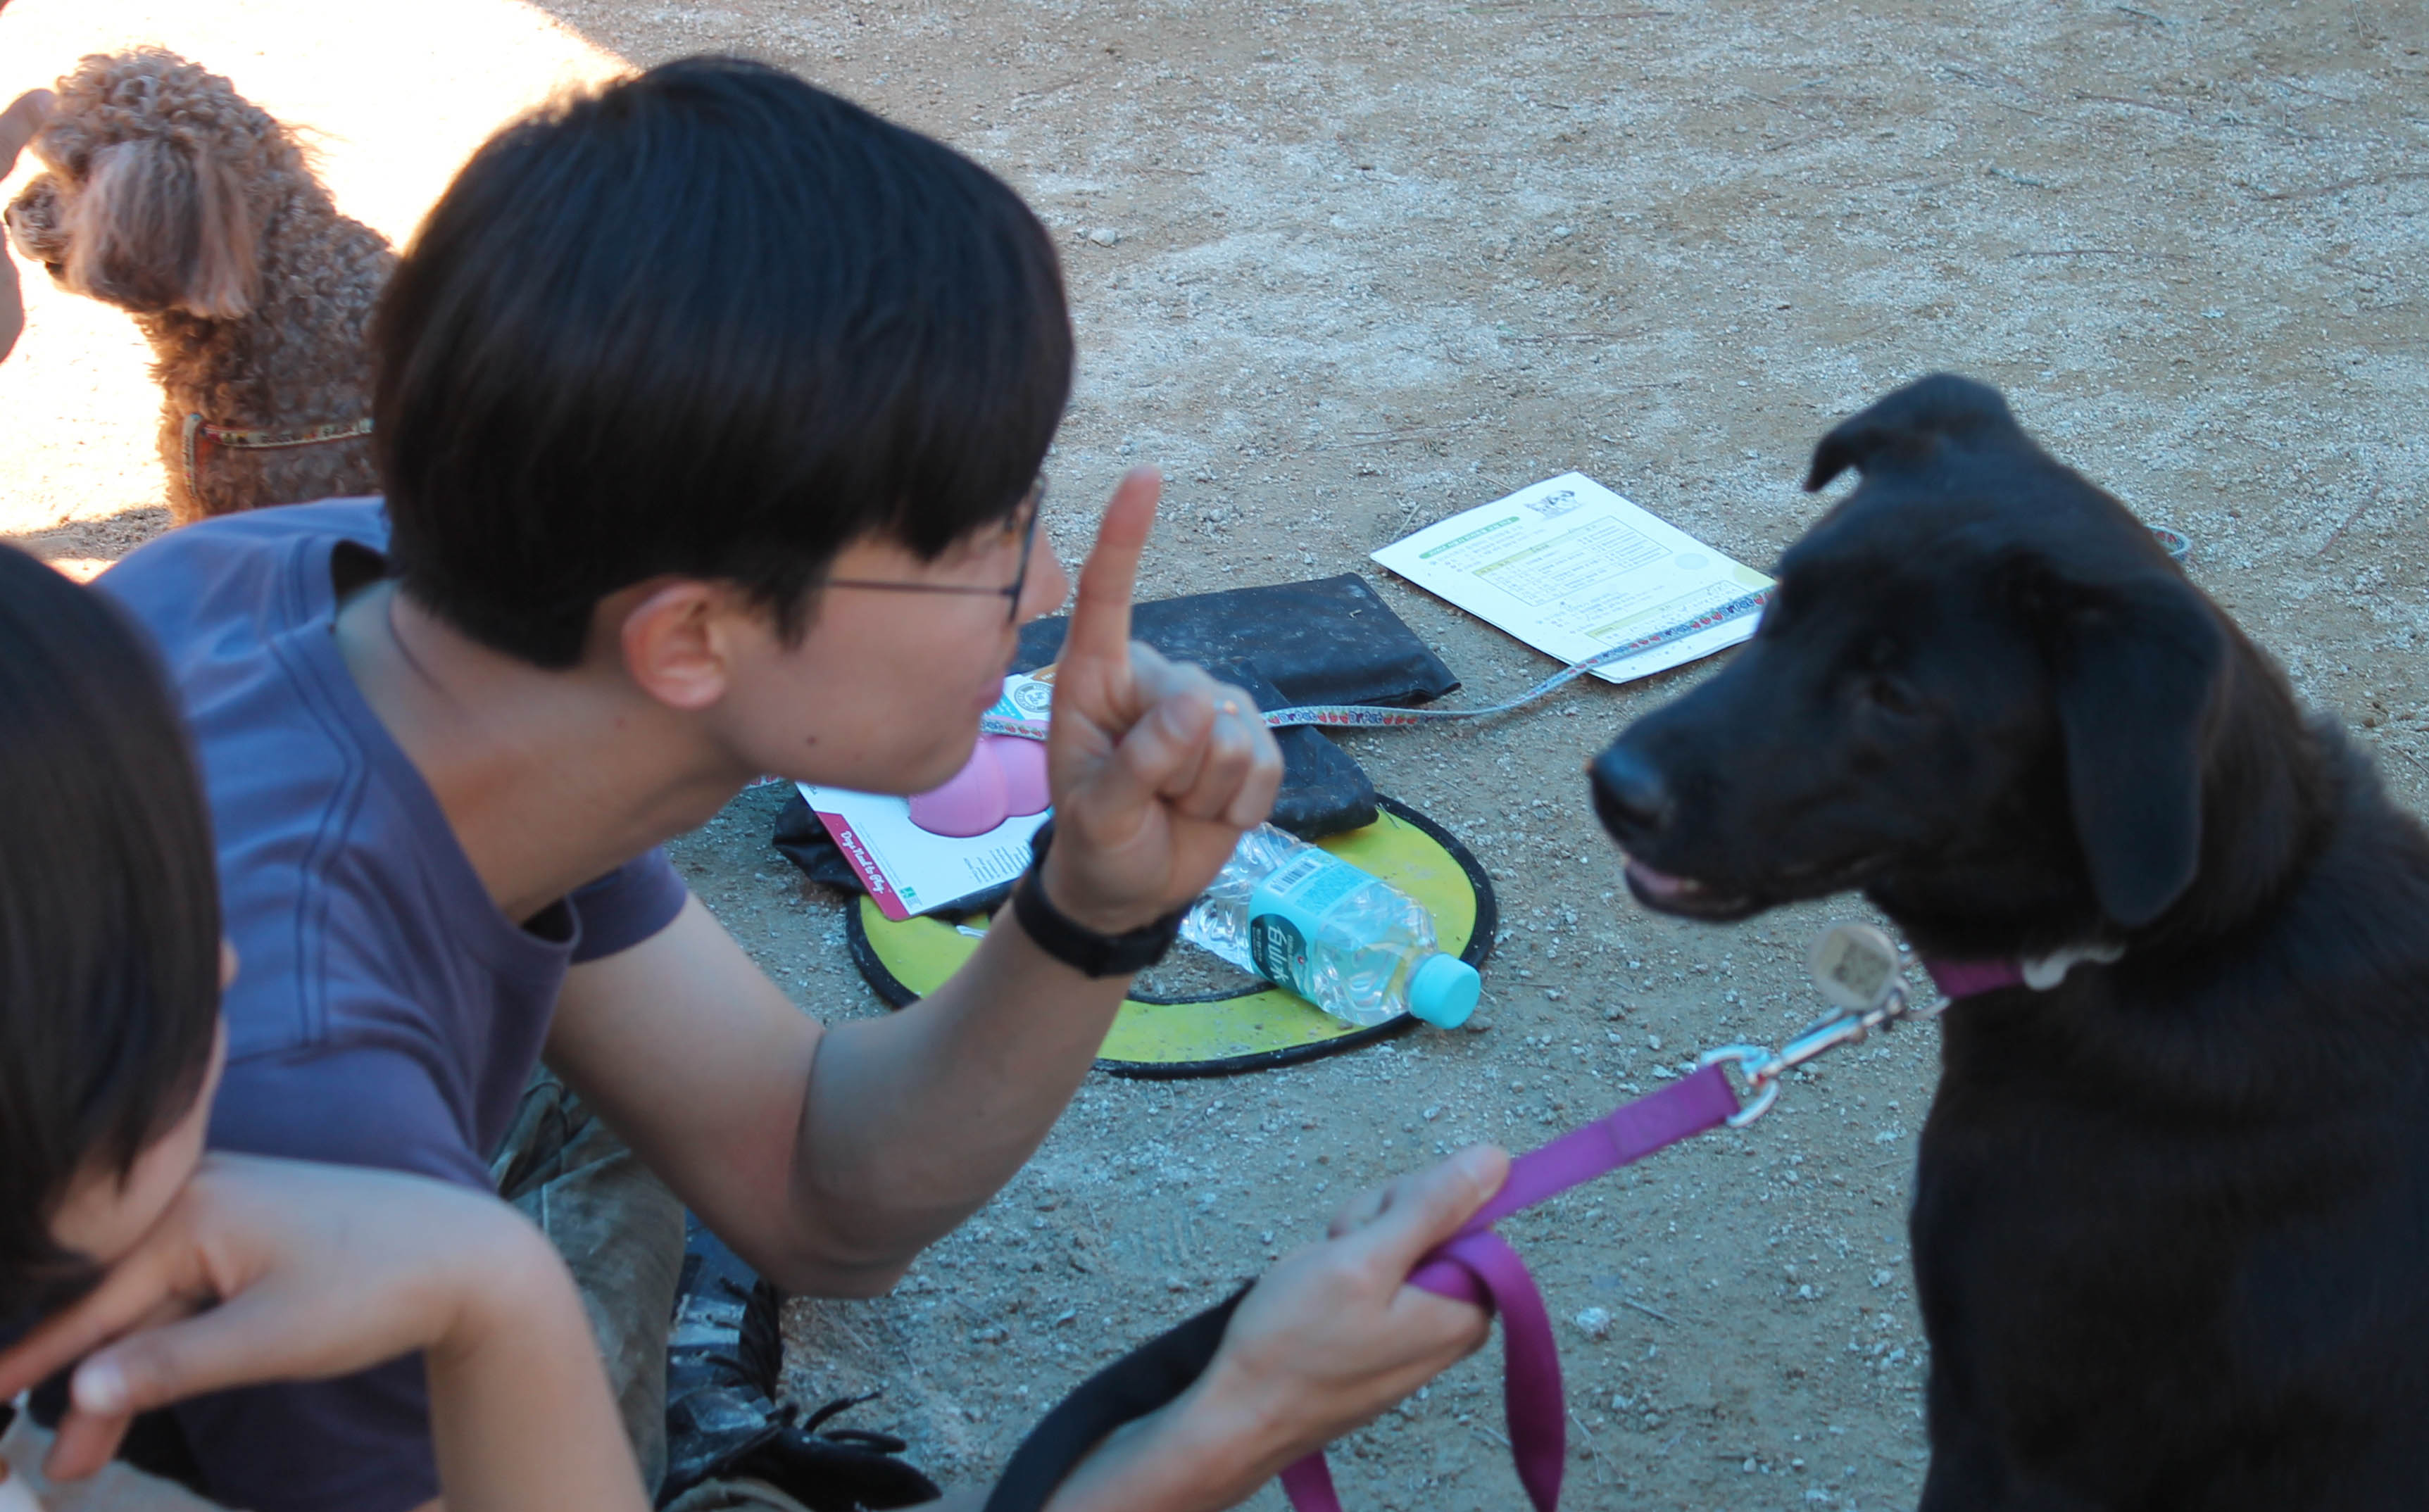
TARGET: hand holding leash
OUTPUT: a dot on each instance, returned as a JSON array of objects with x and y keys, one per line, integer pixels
[{"x": 1333, "y": 1334}]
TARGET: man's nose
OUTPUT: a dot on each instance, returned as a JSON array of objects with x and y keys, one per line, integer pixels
[{"x": 1629, "y": 794}]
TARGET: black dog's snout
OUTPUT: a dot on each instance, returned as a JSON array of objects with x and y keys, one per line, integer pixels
[{"x": 1629, "y": 794}]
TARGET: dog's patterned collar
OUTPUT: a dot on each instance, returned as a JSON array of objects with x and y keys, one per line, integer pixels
[
  {"x": 200, "y": 435},
  {"x": 1971, "y": 978}
]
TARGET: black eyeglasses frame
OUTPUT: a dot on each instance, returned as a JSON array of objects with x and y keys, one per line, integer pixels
[{"x": 1035, "y": 501}]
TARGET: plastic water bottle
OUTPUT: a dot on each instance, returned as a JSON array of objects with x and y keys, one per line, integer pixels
[{"x": 1347, "y": 941}]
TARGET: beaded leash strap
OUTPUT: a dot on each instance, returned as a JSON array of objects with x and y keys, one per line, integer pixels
[{"x": 1367, "y": 716}]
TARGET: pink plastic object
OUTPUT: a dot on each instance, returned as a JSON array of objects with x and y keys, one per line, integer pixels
[
  {"x": 1004, "y": 779},
  {"x": 1024, "y": 774}
]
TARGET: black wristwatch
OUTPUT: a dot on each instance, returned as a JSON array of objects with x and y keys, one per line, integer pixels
[{"x": 1075, "y": 945}]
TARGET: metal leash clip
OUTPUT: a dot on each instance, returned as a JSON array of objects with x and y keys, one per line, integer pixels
[{"x": 1855, "y": 965}]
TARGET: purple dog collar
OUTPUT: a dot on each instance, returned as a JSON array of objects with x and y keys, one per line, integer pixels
[
  {"x": 1969, "y": 978},
  {"x": 1478, "y": 1266}
]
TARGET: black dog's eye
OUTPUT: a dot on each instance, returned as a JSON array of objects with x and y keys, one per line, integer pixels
[{"x": 1891, "y": 695}]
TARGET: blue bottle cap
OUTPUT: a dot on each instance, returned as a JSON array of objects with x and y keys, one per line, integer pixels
[{"x": 1443, "y": 990}]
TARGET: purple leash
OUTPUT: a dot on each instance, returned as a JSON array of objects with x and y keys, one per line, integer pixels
[
  {"x": 1477, "y": 1265},
  {"x": 1856, "y": 968}
]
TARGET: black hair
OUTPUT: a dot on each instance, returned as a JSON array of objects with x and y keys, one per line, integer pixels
[
  {"x": 109, "y": 921},
  {"x": 707, "y": 321}
]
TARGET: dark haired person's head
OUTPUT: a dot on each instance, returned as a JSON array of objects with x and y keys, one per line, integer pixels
[
  {"x": 711, "y": 323},
  {"x": 109, "y": 938}
]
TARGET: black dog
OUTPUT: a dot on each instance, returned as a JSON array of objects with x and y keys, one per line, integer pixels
[{"x": 2170, "y": 1222}]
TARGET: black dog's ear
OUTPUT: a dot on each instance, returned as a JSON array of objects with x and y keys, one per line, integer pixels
[
  {"x": 2136, "y": 671},
  {"x": 1903, "y": 425}
]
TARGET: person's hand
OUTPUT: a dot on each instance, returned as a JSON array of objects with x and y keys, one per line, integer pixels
[
  {"x": 1330, "y": 1338},
  {"x": 1332, "y": 1335},
  {"x": 280, "y": 1269},
  {"x": 18, "y": 125},
  {"x": 1156, "y": 768}
]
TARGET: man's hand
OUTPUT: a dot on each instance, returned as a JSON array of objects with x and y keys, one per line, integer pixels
[
  {"x": 1330, "y": 1337},
  {"x": 1333, "y": 1334},
  {"x": 270, "y": 1270},
  {"x": 1156, "y": 768},
  {"x": 18, "y": 125}
]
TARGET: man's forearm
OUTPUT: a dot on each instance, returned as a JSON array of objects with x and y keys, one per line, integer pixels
[{"x": 914, "y": 1121}]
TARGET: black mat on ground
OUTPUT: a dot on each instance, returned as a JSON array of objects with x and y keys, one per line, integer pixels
[{"x": 1328, "y": 640}]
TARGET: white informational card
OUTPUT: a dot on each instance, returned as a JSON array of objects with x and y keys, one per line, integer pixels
[
  {"x": 910, "y": 871},
  {"x": 1573, "y": 569}
]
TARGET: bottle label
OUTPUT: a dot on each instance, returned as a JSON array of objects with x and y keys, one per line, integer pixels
[{"x": 1286, "y": 915}]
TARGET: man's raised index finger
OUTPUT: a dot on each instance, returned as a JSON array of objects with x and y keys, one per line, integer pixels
[{"x": 1100, "y": 615}]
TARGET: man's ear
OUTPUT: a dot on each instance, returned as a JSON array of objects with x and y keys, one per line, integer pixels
[
  {"x": 2137, "y": 672},
  {"x": 674, "y": 636}
]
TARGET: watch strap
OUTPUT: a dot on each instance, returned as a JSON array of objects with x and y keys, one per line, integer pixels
[{"x": 1082, "y": 949}]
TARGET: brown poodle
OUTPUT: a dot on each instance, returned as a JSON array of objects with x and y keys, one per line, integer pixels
[{"x": 170, "y": 196}]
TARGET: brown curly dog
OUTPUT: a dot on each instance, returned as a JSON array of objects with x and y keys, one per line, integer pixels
[{"x": 172, "y": 197}]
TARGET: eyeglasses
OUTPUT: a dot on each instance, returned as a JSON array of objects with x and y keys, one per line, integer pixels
[{"x": 1022, "y": 522}]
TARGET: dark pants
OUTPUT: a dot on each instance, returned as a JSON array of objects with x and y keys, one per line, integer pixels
[{"x": 621, "y": 1233}]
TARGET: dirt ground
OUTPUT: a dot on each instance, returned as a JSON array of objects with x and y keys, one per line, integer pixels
[{"x": 1343, "y": 267}]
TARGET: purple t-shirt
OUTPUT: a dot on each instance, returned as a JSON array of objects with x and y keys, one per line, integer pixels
[{"x": 384, "y": 1013}]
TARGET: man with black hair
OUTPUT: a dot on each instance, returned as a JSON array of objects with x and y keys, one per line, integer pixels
[{"x": 710, "y": 409}]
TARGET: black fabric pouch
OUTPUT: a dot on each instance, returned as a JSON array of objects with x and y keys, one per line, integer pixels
[
  {"x": 1324, "y": 790},
  {"x": 1329, "y": 640}
]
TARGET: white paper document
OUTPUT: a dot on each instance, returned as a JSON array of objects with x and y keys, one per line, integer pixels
[{"x": 1573, "y": 569}]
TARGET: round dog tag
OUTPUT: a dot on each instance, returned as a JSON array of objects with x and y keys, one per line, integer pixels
[{"x": 1854, "y": 964}]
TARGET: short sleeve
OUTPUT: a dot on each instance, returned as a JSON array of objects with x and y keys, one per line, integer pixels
[
  {"x": 355, "y": 1105},
  {"x": 627, "y": 906}
]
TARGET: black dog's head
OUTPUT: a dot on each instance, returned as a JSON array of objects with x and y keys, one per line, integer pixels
[{"x": 1982, "y": 694}]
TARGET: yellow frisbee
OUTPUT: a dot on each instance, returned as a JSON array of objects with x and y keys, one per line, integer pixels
[{"x": 1219, "y": 1034}]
